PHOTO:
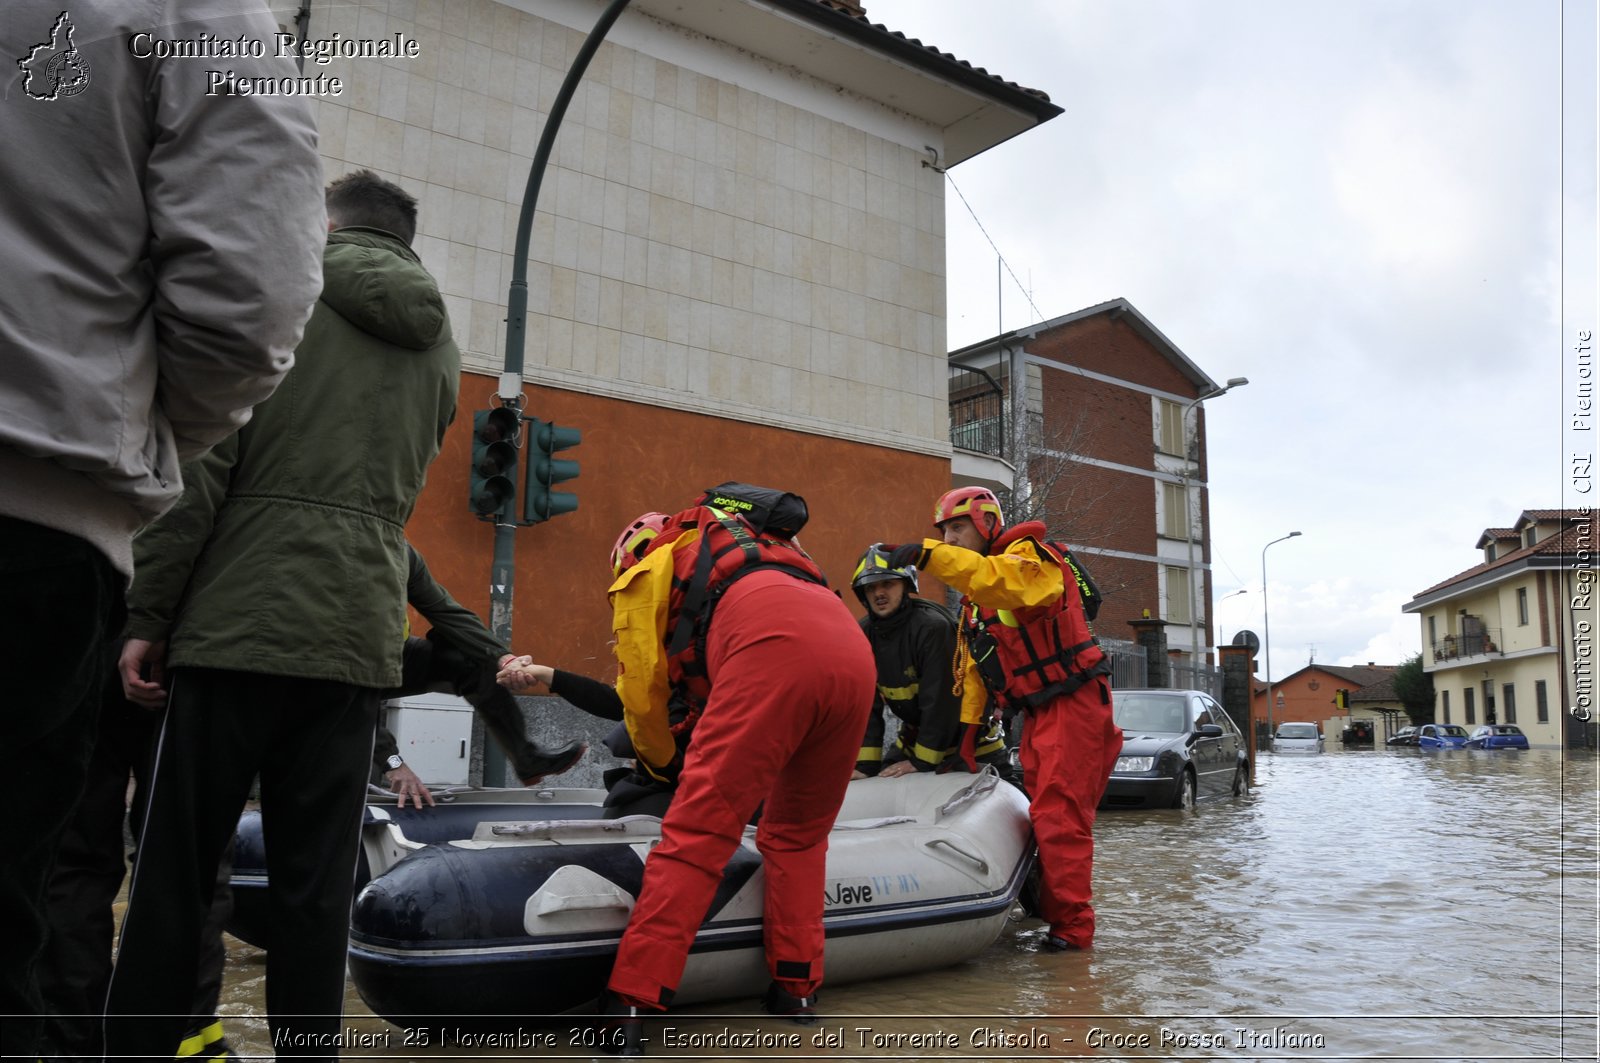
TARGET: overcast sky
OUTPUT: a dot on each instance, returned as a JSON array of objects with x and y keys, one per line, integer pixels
[{"x": 1356, "y": 204}]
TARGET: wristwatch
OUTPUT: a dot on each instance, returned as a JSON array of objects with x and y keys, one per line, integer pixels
[{"x": 394, "y": 761}]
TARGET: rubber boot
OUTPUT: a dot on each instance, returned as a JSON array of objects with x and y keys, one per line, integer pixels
[
  {"x": 621, "y": 1026},
  {"x": 779, "y": 1001}
]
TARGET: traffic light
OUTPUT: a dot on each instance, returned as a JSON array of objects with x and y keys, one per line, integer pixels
[
  {"x": 492, "y": 486},
  {"x": 545, "y": 470}
]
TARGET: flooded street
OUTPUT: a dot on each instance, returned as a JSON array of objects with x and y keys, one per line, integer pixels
[{"x": 1365, "y": 905}]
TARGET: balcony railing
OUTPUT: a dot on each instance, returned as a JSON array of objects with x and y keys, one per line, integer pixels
[
  {"x": 977, "y": 412},
  {"x": 1485, "y": 643}
]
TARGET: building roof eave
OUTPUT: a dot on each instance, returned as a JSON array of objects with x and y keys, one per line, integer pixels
[
  {"x": 1119, "y": 308},
  {"x": 975, "y": 109},
  {"x": 1553, "y": 554}
]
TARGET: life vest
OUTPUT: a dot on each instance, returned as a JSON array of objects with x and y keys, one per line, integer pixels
[
  {"x": 728, "y": 549},
  {"x": 1030, "y": 657}
]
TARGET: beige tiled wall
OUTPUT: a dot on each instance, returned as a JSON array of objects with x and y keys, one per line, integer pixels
[{"x": 699, "y": 243}]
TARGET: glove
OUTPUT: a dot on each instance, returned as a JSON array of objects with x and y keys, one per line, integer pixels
[
  {"x": 911, "y": 554},
  {"x": 667, "y": 774}
]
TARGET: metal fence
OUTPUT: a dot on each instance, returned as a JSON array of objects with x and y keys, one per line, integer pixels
[
  {"x": 1127, "y": 662},
  {"x": 1186, "y": 676},
  {"x": 1129, "y": 669},
  {"x": 1468, "y": 644}
]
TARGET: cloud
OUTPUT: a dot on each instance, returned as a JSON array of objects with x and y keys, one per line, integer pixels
[{"x": 1357, "y": 205}]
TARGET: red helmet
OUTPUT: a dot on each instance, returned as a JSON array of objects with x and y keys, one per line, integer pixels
[
  {"x": 633, "y": 541},
  {"x": 979, "y": 503}
]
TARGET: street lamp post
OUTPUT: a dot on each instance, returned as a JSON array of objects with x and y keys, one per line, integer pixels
[
  {"x": 1189, "y": 513},
  {"x": 1266, "y": 628}
]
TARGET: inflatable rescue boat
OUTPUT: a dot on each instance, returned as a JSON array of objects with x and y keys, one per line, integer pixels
[
  {"x": 456, "y": 815},
  {"x": 523, "y": 918}
]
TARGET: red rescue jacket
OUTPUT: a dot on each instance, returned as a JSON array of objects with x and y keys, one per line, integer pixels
[
  {"x": 1029, "y": 657},
  {"x": 728, "y": 550}
]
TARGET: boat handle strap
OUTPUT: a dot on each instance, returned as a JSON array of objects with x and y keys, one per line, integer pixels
[{"x": 983, "y": 865}]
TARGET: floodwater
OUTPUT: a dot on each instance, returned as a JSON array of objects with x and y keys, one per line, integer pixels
[{"x": 1374, "y": 904}]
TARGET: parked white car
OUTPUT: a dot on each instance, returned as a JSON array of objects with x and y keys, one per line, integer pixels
[{"x": 1297, "y": 738}]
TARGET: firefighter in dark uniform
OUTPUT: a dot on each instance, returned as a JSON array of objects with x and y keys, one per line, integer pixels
[{"x": 914, "y": 642}]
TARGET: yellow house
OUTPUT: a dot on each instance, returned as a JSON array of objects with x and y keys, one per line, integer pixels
[{"x": 1511, "y": 640}]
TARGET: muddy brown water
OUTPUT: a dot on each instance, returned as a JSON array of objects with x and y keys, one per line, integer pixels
[{"x": 1375, "y": 904}]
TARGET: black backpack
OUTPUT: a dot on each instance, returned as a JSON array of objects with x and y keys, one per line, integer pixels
[
  {"x": 767, "y": 510},
  {"x": 1087, "y": 590}
]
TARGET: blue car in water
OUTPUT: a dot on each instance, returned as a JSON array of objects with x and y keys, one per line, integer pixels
[
  {"x": 1498, "y": 736},
  {"x": 1442, "y": 736}
]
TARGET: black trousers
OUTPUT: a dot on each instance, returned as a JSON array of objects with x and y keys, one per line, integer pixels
[
  {"x": 311, "y": 743},
  {"x": 436, "y": 664},
  {"x": 61, "y": 603},
  {"x": 75, "y": 967}
]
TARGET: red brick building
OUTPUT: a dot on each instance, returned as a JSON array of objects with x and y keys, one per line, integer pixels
[
  {"x": 1308, "y": 696},
  {"x": 1114, "y": 444}
]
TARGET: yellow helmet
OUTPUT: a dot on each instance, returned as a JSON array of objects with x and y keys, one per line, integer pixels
[{"x": 874, "y": 567}]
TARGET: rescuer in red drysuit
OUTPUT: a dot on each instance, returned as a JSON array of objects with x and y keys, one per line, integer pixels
[
  {"x": 1025, "y": 638},
  {"x": 787, "y": 679}
]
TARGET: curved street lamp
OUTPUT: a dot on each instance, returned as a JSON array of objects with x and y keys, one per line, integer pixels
[
  {"x": 1196, "y": 650},
  {"x": 1266, "y": 628}
]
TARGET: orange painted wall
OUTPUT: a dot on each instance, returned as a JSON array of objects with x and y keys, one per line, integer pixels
[{"x": 636, "y": 457}]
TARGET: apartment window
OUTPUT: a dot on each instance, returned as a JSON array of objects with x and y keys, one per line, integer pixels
[
  {"x": 1172, "y": 434},
  {"x": 1444, "y": 702},
  {"x": 1541, "y": 702},
  {"x": 1508, "y": 696},
  {"x": 1433, "y": 634},
  {"x": 1178, "y": 594},
  {"x": 1468, "y": 707},
  {"x": 1522, "y": 606},
  {"x": 1174, "y": 511}
]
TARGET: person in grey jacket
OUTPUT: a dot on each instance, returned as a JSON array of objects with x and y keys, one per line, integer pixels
[
  {"x": 271, "y": 603},
  {"x": 147, "y": 303}
]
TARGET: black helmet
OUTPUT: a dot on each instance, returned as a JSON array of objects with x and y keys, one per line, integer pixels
[{"x": 874, "y": 568}]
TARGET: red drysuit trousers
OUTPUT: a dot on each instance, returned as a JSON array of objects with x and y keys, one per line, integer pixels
[
  {"x": 792, "y": 680},
  {"x": 1068, "y": 749}
]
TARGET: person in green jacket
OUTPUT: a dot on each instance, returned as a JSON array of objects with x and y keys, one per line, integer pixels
[{"x": 271, "y": 602}]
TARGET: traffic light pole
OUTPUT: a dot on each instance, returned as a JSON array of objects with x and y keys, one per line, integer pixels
[
  {"x": 502, "y": 577},
  {"x": 503, "y": 570}
]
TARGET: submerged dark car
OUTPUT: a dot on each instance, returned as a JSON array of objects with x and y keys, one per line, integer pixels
[
  {"x": 1178, "y": 746},
  {"x": 1406, "y": 736},
  {"x": 1359, "y": 733}
]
